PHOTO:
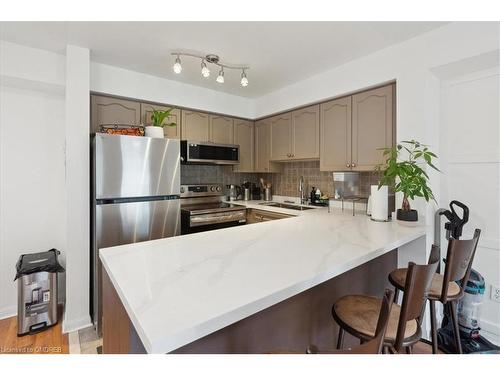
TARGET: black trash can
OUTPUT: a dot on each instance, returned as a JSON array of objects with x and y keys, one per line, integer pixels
[{"x": 37, "y": 291}]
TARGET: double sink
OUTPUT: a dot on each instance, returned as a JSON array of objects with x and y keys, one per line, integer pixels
[{"x": 286, "y": 205}]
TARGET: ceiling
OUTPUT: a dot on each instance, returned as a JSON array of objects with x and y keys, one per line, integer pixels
[{"x": 278, "y": 53}]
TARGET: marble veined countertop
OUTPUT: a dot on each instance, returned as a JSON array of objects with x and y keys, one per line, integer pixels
[{"x": 177, "y": 290}]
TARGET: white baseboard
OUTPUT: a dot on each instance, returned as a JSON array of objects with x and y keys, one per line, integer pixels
[
  {"x": 491, "y": 331},
  {"x": 8, "y": 312}
]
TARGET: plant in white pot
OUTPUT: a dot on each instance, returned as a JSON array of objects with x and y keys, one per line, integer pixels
[
  {"x": 407, "y": 175},
  {"x": 158, "y": 122}
]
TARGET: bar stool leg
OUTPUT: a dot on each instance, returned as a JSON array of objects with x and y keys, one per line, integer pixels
[
  {"x": 340, "y": 339},
  {"x": 409, "y": 350},
  {"x": 456, "y": 330},
  {"x": 432, "y": 304}
]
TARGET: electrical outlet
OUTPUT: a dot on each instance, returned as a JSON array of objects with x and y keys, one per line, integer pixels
[{"x": 495, "y": 293}]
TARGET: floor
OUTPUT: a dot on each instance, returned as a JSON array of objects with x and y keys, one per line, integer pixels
[
  {"x": 50, "y": 341},
  {"x": 85, "y": 341}
]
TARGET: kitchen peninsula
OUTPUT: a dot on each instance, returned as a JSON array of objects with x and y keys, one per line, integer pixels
[{"x": 221, "y": 291}]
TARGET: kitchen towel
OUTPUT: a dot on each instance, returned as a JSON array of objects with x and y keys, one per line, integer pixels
[{"x": 380, "y": 203}]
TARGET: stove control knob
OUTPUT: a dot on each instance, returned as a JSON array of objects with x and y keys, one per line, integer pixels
[
  {"x": 182, "y": 189},
  {"x": 219, "y": 188},
  {"x": 212, "y": 188}
]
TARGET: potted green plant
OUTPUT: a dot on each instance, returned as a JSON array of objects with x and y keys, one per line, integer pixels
[
  {"x": 158, "y": 122},
  {"x": 407, "y": 175}
]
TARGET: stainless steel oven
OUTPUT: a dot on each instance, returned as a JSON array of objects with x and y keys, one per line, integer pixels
[
  {"x": 193, "y": 152},
  {"x": 203, "y": 208}
]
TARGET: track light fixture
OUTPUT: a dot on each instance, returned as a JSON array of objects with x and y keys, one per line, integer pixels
[{"x": 211, "y": 59}]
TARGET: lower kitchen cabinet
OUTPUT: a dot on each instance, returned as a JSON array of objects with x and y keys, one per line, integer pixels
[
  {"x": 175, "y": 116},
  {"x": 259, "y": 216},
  {"x": 263, "y": 148},
  {"x": 244, "y": 137}
]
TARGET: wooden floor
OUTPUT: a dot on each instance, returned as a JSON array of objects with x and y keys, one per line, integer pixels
[{"x": 50, "y": 341}]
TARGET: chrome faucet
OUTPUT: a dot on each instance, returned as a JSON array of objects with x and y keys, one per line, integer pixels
[{"x": 303, "y": 199}]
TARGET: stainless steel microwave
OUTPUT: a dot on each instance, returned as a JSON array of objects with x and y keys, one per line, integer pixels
[{"x": 193, "y": 152}]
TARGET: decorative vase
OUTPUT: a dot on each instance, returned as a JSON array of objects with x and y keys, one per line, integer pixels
[
  {"x": 411, "y": 215},
  {"x": 154, "y": 132}
]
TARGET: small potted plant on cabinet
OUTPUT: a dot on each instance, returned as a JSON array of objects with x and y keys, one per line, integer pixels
[
  {"x": 407, "y": 175},
  {"x": 158, "y": 122}
]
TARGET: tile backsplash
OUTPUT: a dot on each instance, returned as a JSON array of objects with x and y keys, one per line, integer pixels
[
  {"x": 210, "y": 174},
  {"x": 287, "y": 183}
]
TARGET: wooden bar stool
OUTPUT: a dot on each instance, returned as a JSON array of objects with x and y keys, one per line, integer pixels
[
  {"x": 358, "y": 314},
  {"x": 444, "y": 288},
  {"x": 373, "y": 346}
]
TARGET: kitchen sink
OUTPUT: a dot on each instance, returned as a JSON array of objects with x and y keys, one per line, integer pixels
[{"x": 285, "y": 205}]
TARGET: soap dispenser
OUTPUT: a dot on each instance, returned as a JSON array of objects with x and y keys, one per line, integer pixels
[{"x": 313, "y": 195}]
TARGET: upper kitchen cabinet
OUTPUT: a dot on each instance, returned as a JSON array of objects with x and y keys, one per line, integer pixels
[
  {"x": 281, "y": 137},
  {"x": 175, "y": 116},
  {"x": 107, "y": 111},
  {"x": 335, "y": 150},
  {"x": 263, "y": 148},
  {"x": 195, "y": 126},
  {"x": 305, "y": 133},
  {"x": 221, "y": 130},
  {"x": 372, "y": 127},
  {"x": 355, "y": 128},
  {"x": 244, "y": 137}
]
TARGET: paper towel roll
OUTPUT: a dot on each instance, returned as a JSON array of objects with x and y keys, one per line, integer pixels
[{"x": 380, "y": 203}]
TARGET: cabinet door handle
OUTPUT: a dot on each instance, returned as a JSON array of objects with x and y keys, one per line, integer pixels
[
  {"x": 348, "y": 165},
  {"x": 353, "y": 165}
]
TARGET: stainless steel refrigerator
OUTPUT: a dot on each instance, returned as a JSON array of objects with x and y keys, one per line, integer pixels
[{"x": 135, "y": 185}]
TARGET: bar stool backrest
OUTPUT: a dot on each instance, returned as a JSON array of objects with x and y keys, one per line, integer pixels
[
  {"x": 417, "y": 285},
  {"x": 459, "y": 258}
]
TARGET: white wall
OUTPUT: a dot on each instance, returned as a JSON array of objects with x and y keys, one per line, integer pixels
[
  {"x": 470, "y": 152},
  {"x": 32, "y": 196},
  {"x": 77, "y": 121}
]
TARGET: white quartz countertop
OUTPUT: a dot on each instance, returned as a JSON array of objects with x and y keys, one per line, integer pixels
[{"x": 177, "y": 290}]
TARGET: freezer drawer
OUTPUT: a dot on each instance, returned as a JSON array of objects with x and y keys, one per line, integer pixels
[
  {"x": 128, "y": 166},
  {"x": 124, "y": 223}
]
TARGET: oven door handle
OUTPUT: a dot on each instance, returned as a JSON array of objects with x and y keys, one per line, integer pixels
[{"x": 217, "y": 218}]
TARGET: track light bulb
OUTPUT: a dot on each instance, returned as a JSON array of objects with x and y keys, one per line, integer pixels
[
  {"x": 244, "y": 79},
  {"x": 205, "y": 72},
  {"x": 220, "y": 77},
  {"x": 177, "y": 65}
]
